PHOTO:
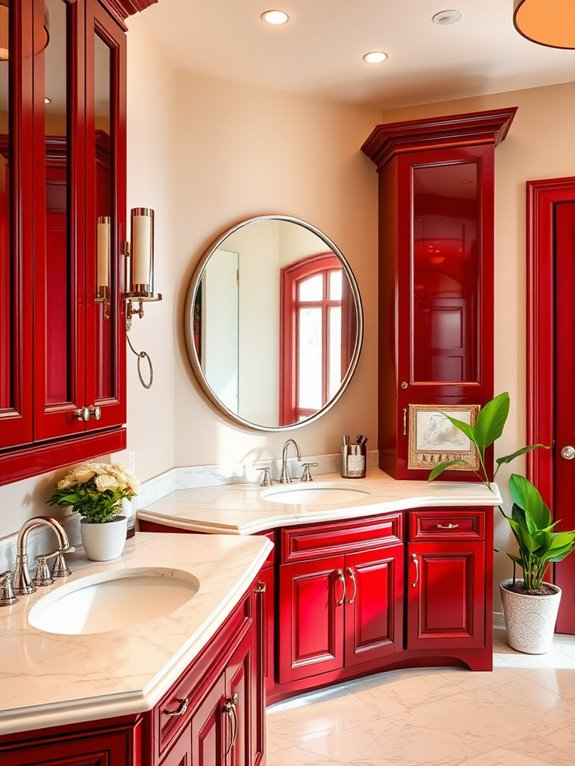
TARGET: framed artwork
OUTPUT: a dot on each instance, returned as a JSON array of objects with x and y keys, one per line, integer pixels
[{"x": 433, "y": 439}]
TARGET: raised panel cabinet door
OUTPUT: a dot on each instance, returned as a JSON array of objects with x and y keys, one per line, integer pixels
[
  {"x": 207, "y": 728},
  {"x": 241, "y": 705},
  {"x": 311, "y": 605},
  {"x": 267, "y": 579},
  {"x": 181, "y": 753},
  {"x": 113, "y": 749},
  {"x": 446, "y": 595},
  {"x": 374, "y": 604}
]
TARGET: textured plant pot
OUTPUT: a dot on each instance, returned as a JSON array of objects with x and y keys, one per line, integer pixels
[
  {"x": 530, "y": 620},
  {"x": 103, "y": 542}
]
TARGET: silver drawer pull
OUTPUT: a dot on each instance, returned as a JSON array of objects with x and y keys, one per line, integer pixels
[
  {"x": 351, "y": 574},
  {"x": 232, "y": 713},
  {"x": 341, "y": 577},
  {"x": 183, "y": 706},
  {"x": 447, "y": 526},
  {"x": 416, "y": 562}
]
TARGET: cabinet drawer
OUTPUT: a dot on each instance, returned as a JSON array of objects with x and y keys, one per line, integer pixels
[
  {"x": 327, "y": 539},
  {"x": 441, "y": 524},
  {"x": 176, "y": 707}
]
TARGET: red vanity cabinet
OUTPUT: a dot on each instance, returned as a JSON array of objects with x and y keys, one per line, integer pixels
[
  {"x": 342, "y": 609},
  {"x": 436, "y": 234},
  {"x": 212, "y": 715},
  {"x": 62, "y": 166}
]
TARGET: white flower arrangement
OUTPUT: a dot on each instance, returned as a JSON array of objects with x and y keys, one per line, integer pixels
[{"x": 95, "y": 490}]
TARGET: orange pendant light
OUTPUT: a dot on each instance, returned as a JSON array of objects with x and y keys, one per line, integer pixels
[{"x": 546, "y": 22}]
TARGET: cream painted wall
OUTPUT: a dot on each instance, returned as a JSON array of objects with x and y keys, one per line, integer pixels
[
  {"x": 244, "y": 151},
  {"x": 539, "y": 145}
]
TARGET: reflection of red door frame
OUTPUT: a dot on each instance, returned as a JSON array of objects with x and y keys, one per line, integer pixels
[
  {"x": 290, "y": 276},
  {"x": 542, "y": 199}
]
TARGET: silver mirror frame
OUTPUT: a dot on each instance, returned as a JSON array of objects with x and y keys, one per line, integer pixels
[{"x": 189, "y": 321}]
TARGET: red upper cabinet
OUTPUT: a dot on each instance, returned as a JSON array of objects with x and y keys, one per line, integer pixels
[
  {"x": 436, "y": 179},
  {"x": 63, "y": 191}
]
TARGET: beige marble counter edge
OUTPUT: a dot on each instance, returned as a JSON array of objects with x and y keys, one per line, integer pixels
[
  {"x": 118, "y": 703},
  {"x": 267, "y": 515}
]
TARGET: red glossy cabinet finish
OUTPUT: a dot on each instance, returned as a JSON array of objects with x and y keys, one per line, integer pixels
[
  {"x": 62, "y": 164},
  {"x": 212, "y": 715},
  {"x": 436, "y": 179}
]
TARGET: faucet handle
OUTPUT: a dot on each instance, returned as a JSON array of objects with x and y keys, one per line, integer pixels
[
  {"x": 61, "y": 569},
  {"x": 306, "y": 474},
  {"x": 7, "y": 596},
  {"x": 266, "y": 480},
  {"x": 43, "y": 576}
]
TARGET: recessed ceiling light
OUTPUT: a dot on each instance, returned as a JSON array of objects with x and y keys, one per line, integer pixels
[
  {"x": 275, "y": 17},
  {"x": 375, "y": 57},
  {"x": 446, "y": 17}
]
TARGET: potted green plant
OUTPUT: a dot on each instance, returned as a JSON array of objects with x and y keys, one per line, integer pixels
[
  {"x": 96, "y": 492},
  {"x": 530, "y": 604}
]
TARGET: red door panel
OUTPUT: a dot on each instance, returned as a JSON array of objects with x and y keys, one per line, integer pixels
[
  {"x": 311, "y": 615},
  {"x": 445, "y": 589},
  {"x": 374, "y": 611},
  {"x": 113, "y": 749},
  {"x": 267, "y": 577},
  {"x": 564, "y": 478},
  {"x": 207, "y": 729},
  {"x": 239, "y": 679},
  {"x": 181, "y": 753}
]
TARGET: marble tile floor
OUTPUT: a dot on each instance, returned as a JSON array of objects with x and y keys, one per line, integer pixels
[{"x": 521, "y": 714}]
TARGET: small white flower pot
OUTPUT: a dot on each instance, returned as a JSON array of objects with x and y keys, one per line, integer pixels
[
  {"x": 530, "y": 620},
  {"x": 103, "y": 542}
]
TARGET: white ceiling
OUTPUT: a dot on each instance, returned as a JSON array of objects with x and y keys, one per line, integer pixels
[{"x": 319, "y": 52}]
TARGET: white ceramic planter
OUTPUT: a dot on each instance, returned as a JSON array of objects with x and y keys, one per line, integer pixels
[
  {"x": 103, "y": 542},
  {"x": 530, "y": 620}
]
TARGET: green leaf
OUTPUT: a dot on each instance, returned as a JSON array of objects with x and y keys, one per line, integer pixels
[
  {"x": 491, "y": 421},
  {"x": 522, "y": 451},
  {"x": 527, "y": 496},
  {"x": 465, "y": 428},
  {"x": 441, "y": 467}
]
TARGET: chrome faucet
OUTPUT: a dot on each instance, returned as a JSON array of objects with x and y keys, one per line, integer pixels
[
  {"x": 21, "y": 577},
  {"x": 285, "y": 477}
]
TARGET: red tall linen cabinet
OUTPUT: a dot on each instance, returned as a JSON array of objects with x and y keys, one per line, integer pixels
[
  {"x": 62, "y": 166},
  {"x": 436, "y": 193}
]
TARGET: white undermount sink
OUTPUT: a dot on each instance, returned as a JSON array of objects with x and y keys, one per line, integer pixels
[
  {"x": 113, "y": 600},
  {"x": 316, "y": 493}
]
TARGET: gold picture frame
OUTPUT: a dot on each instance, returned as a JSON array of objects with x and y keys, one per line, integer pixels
[{"x": 433, "y": 439}]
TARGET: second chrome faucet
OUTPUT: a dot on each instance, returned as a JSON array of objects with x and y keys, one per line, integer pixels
[{"x": 285, "y": 477}]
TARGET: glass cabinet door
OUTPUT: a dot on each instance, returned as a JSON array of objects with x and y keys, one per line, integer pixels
[
  {"x": 15, "y": 224},
  {"x": 446, "y": 302}
]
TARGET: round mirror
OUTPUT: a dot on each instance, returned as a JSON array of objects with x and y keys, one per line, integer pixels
[{"x": 273, "y": 323}]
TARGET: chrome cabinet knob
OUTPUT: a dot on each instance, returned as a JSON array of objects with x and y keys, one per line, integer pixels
[
  {"x": 95, "y": 412},
  {"x": 82, "y": 413},
  {"x": 568, "y": 452}
]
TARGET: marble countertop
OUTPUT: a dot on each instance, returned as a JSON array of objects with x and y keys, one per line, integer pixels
[
  {"x": 48, "y": 679},
  {"x": 239, "y": 508}
]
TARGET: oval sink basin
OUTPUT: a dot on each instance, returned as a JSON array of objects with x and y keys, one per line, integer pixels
[
  {"x": 319, "y": 493},
  {"x": 113, "y": 600}
]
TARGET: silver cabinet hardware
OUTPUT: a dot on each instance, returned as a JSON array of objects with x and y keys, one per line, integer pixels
[
  {"x": 446, "y": 526},
  {"x": 306, "y": 474},
  {"x": 416, "y": 562},
  {"x": 266, "y": 480},
  {"x": 261, "y": 587},
  {"x": 230, "y": 710},
  {"x": 7, "y": 596},
  {"x": 404, "y": 384},
  {"x": 95, "y": 411},
  {"x": 182, "y": 707},
  {"x": 341, "y": 578},
  {"x": 568, "y": 452},
  {"x": 351, "y": 575},
  {"x": 405, "y": 421},
  {"x": 82, "y": 414}
]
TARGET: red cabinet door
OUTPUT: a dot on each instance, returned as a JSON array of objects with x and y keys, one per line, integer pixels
[
  {"x": 95, "y": 749},
  {"x": 181, "y": 753},
  {"x": 446, "y": 595},
  {"x": 311, "y": 613},
  {"x": 374, "y": 604},
  {"x": 267, "y": 578},
  {"x": 207, "y": 728}
]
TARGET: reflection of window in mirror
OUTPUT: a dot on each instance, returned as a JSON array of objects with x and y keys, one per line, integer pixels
[{"x": 318, "y": 332}]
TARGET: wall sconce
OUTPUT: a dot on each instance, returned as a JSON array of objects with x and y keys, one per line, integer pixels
[
  {"x": 546, "y": 22},
  {"x": 140, "y": 277},
  {"x": 103, "y": 251}
]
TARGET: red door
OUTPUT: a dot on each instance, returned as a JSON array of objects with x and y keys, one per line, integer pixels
[
  {"x": 207, "y": 728},
  {"x": 373, "y": 612},
  {"x": 312, "y": 595},
  {"x": 445, "y": 591},
  {"x": 564, "y": 463}
]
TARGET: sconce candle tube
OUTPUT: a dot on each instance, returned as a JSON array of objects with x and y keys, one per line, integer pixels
[
  {"x": 142, "y": 252},
  {"x": 103, "y": 249}
]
